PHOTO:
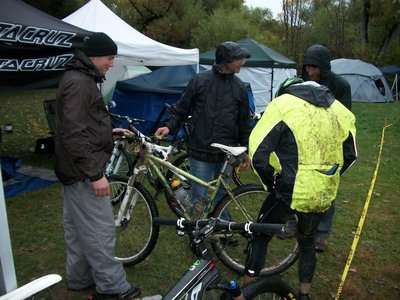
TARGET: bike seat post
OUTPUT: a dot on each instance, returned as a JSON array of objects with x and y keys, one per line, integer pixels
[{"x": 225, "y": 165}]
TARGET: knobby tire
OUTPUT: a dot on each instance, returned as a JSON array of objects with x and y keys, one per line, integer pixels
[
  {"x": 233, "y": 247},
  {"x": 137, "y": 237}
]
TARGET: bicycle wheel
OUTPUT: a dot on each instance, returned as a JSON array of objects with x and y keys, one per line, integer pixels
[
  {"x": 232, "y": 248},
  {"x": 120, "y": 163},
  {"x": 136, "y": 235},
  {"x": 268, "y": 288}
]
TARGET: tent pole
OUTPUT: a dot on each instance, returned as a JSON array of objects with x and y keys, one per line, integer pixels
[
  {"x": 272, "y": 84},
  {"x": 8, "y": 280}
]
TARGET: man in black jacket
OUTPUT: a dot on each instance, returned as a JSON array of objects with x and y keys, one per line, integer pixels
[
  {"x": 317, "y": 67},
  {"x": 83, "y": 145},
  {"x": 217, "y": 101}
]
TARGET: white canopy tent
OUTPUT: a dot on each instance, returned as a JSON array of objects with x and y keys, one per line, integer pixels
[{"x": 134, "y": 48}]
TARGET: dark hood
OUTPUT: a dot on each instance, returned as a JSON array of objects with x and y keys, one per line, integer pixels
[
  {"x": 82, "y": 63},
  {"x": 313, "y": 93},
  {"x": 319, "y": 56},
  {"x": 228, "y": 52}
]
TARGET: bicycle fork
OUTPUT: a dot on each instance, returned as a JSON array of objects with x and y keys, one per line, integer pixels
[{"x": 130, "y": 198}]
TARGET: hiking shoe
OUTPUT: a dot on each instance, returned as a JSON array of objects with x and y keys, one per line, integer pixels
[
  {"x": 321, "y": 244},
  {"x": 132, "y": 293},
  {"x": 198, "y": 209}
]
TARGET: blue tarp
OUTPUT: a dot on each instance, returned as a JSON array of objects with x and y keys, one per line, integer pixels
[
  {"x": 144, "y": 96},
  {"x": 390, "y": 70},
  {"x": 18, "y": 179}
]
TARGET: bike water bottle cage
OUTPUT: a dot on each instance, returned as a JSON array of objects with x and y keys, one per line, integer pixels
[{"x": 288, "y": 82}]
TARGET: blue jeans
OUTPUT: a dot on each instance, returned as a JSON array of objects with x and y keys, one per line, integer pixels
[{"x": 207, "y": 171}]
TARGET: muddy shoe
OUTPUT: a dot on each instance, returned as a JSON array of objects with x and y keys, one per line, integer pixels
[
  {"x": 198, "y": 210},
  {"x": 321, "y": 244}
]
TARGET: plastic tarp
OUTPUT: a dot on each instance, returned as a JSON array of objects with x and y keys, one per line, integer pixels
[
  {"x": 367, "y": 82},
  {"x": 264, "y": 70}
]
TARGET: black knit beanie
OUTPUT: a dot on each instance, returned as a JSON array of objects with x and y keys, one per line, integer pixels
[{"x": 99, "y": 44}]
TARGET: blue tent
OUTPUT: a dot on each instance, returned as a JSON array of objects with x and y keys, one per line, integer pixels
[{"x": 144, "y": 96}]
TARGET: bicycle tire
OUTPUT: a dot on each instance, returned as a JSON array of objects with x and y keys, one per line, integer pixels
[
  {"x": 232, "y": 249},
  {"x": 136, "y": 237},
  {"x": 268, "y": 288},
  {"x": 125, "y": 166}
]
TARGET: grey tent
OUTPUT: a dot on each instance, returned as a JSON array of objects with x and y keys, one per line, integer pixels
[
  {"x": 264, "y": 70},
  {"x": 367, "y": 82}
]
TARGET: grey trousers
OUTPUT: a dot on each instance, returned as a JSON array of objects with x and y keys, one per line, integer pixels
[{"x": 89, "y": 234}]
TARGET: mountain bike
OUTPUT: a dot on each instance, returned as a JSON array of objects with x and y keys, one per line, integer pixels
[
  {"x": 134, "y": 209},
  {"x": 203, "y": 278}
]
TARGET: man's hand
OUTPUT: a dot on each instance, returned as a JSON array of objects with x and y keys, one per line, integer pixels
[
  {"x": 162, "y": 132},
  {"x": 101, "y": 187}
]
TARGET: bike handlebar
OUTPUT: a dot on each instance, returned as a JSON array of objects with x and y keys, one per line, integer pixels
[
  {"x": 220, "y": 225},
  {"x": 129, "y": 119}
]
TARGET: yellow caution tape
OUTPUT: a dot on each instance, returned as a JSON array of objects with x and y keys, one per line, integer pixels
[{"x": 362, "y": 218}]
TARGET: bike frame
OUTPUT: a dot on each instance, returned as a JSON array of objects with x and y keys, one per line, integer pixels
[{"x": 161, "y": 161}]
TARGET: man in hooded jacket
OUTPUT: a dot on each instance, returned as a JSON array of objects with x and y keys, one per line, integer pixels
[
  {"x": 317, "y": 67},
  {"x": 217, "y": 101},
  {"x": 83, "y": 145},
  {"x": 299, "y": 148}
]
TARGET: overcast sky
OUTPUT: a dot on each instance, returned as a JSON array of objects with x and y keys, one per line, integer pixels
[{"x": 274, "y": 5}]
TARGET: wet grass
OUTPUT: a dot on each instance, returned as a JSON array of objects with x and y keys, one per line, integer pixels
[{"x": 37, "y": 236}]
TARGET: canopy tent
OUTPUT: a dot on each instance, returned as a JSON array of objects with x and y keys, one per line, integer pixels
[
  {"x": 34, "y": 46},
  {"x": 367, "y": 82},
  {"x": 264, "y": 70},
  {"x": 393, "y": 71},
  {"x": 144, "y": 96},
  {"x": 134, "y": 48}
]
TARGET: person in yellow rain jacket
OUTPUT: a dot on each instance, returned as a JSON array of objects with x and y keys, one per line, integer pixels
[{"x": 300, "y": 147}]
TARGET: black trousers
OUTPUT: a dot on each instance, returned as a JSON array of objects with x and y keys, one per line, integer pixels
[{"x": 274, "y": 210}]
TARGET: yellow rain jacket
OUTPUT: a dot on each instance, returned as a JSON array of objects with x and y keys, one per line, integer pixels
[{"x": 304, "y": 141}]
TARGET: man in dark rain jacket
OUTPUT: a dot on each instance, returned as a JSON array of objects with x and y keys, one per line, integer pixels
[
  {"x": 217, "y": 101},
  {"x": 299, "y": 148},
  {"x": 317, "y": 67}
]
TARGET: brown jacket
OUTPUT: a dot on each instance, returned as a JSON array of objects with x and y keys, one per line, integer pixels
[{"x": 83, "y": 140}]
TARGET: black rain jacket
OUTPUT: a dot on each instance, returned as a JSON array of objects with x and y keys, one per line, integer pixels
[
  {"x": 319, "y": 56},
  {"x": 220, "y": 113}
]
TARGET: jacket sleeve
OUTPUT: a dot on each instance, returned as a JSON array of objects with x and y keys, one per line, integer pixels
[
  {"x": 349, "y": 147},
  {"x": 181, "y": 109},
  {"x": 262, "y": 143},
  {"x": 75, "y": 132},
  {"x": 343, "y": 93},
  {"x": 244, "y": 120}
]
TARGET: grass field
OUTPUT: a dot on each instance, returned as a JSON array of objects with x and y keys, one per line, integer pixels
[{"x": 37, "y": 236}]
